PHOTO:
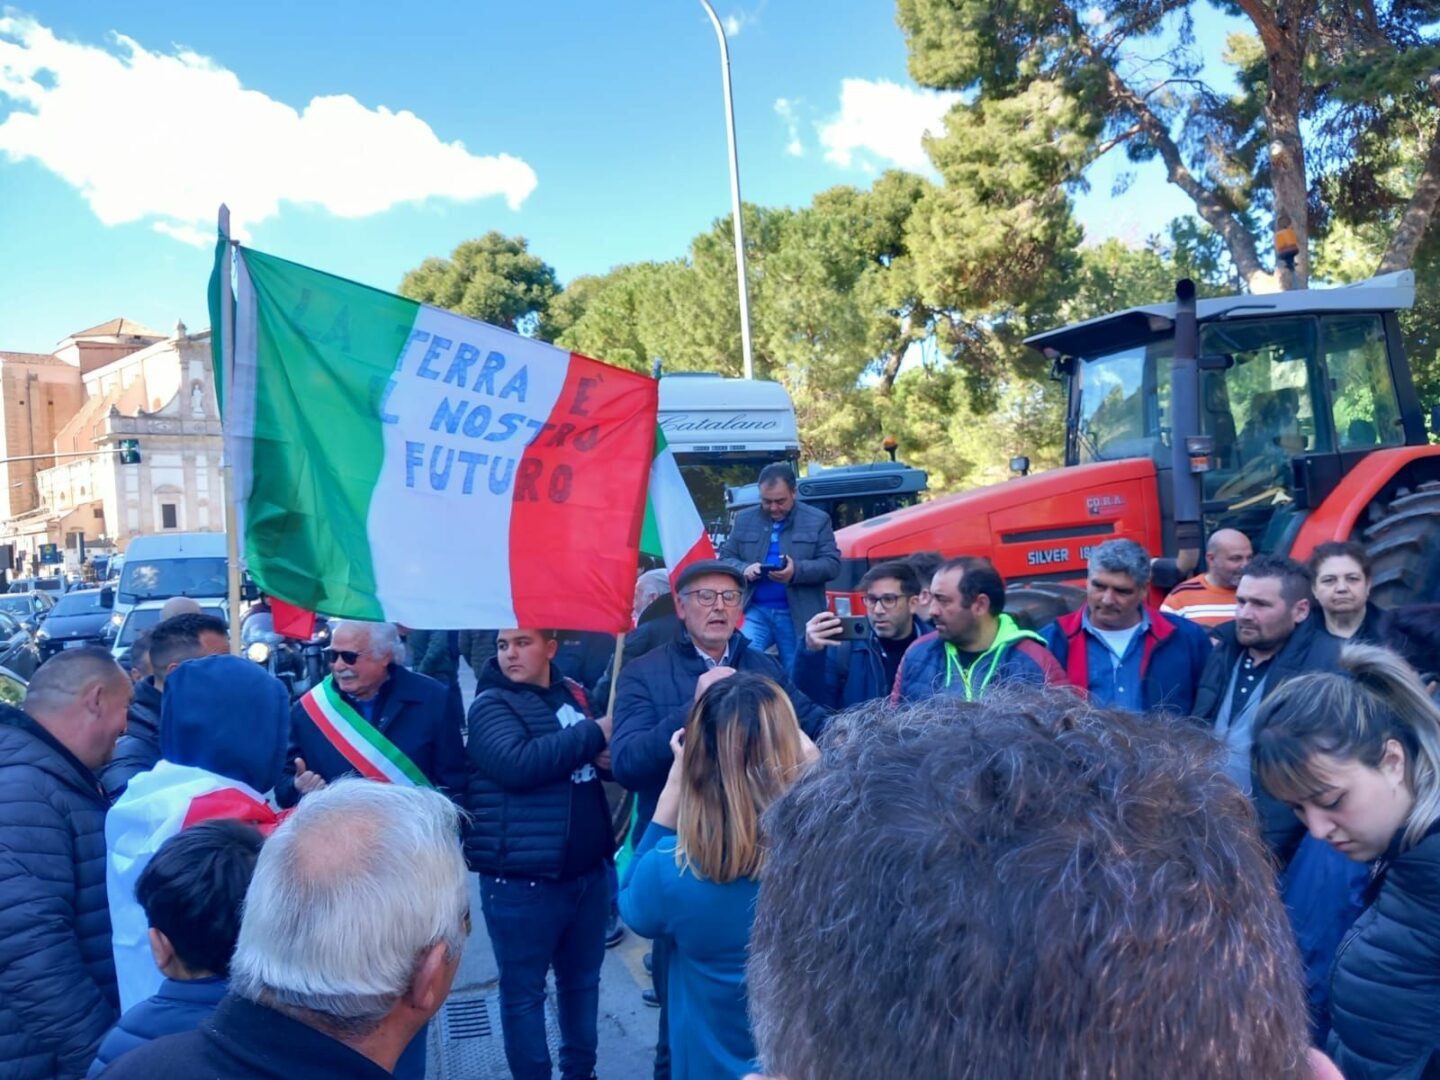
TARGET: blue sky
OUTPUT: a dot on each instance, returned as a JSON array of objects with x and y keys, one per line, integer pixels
[{"x": 362, "y": 137}]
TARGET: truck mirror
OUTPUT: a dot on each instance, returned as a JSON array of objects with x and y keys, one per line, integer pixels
[
  {"x": 249, "y": 591},
  {"x": 107, "y": 597},
  {"x": 1020, "y": 466}
]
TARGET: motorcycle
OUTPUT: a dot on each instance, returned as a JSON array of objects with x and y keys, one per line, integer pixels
[{"x": 298, "y": 664}]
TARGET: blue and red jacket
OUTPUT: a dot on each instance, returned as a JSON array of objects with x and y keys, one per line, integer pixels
[{"x": 1173, "y": 654}]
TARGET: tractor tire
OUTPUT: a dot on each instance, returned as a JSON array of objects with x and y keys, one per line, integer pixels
[
  {"x": 1041, "y": 603},
  {"x": 1404, "y": 549}
]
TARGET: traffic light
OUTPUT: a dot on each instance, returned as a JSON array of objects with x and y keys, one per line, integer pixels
[{"x": 129, "y": 451}]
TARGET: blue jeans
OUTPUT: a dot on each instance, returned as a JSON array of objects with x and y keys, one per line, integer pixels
[
  {"x": 771, "y": 626},
  {"x": 534, "y": 925}
]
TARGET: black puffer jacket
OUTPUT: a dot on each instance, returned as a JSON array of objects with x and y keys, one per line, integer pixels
[
  {"x": 1310, "y": 648},
  {"x": 521, "y": 794},
  {"x": 1385, "y": 983},
  {"x": 139, "y": 748},
  {"x": 57, "y": 974}
]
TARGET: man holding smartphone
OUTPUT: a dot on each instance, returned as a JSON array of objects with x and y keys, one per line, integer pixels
[
  {"x": 847, "y": 660},
  {"x": 786, "y": 552}
]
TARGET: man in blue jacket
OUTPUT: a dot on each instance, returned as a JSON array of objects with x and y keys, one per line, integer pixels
[
  {"x": 1122, "y": 651},
  {"x": 838, "y": 673}
]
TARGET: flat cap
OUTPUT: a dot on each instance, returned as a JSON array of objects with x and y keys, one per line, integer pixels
[{"x": 708, "y": 566}]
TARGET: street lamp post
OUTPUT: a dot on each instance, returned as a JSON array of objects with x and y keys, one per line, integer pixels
[{"x": 739, "y": 228}]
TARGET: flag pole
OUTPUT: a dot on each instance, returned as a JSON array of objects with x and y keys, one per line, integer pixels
[
  {"x": 615, "y": 675},
  {"x": 227, "y": 361}
]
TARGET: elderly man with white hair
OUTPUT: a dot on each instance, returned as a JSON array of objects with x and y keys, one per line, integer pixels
[
  {"x": 373, "y": 717},
  {"x": 353, "y": 928}
]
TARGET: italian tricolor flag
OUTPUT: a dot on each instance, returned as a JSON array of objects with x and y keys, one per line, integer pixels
[
  {"x": 393, "y": 461},
  {"x": 156, "y": 806},
  {"x": 673, "y": 529}
]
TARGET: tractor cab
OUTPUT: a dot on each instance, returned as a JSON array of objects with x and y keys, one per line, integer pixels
[{"x": 1293, "y": 390}]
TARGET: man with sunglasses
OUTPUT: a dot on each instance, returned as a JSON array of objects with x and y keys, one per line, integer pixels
[
  {"x": 656, "y": 692},
  {"x": 369, "y": 706},
  {"x": 839, "y": 673}
]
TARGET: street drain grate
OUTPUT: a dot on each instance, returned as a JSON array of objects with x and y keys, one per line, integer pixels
[{"x": 467, "y": 1045}]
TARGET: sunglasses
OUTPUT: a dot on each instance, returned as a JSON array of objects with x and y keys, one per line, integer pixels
[{"x": 331, "y": 655}]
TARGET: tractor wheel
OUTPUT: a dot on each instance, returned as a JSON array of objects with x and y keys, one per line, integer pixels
[
  {"x": 1041, "y": 603},
  {"x": 1404, "y": 548}
]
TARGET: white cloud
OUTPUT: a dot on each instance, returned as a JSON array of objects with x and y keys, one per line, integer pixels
[
  {"x": 733, "y": 24},
  {"x": 787, "y": 110},
  {"x": 167, "y": 137},
  {"x": 885, "y": 121}
]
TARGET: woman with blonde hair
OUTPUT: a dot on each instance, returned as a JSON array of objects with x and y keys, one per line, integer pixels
[
  {"x": 1356, "y": 753},
  {"x": 697, "y": 870}
]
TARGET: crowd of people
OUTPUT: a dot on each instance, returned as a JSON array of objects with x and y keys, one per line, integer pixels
[{"x": 941, "y": 841}]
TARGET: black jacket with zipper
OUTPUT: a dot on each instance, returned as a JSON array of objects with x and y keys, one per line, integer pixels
[{"x": 521, "y": 793}]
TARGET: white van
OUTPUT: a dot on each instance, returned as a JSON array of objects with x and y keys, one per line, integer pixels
[
  {"x": 172, "y": 564},
  {"x": 723, "y": 432}
]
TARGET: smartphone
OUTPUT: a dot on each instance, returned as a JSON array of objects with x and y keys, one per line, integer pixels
[
  {"x": 771, "y": 568},
  {"x": 854, "y": 628}
]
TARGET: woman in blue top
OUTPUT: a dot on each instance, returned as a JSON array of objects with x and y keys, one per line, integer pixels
[{"x": 697, "y": 870}]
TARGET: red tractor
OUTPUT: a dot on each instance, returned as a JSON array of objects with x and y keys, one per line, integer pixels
[{"x": 1291, "y": 417}]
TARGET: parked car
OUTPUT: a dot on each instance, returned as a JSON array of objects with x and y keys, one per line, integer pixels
[
  {"x": 53, "y": 585},
  {"x": 18, "y": 651},
  {"x": 78, "y": 618},
  {"x": 146, "y": 614},
  {"x": 28, "y": 608}
]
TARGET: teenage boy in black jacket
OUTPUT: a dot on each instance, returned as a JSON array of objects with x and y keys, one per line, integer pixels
[{"x": 541, "y": 841}]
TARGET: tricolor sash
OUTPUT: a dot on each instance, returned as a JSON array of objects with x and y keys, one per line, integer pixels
[{"x": 360, "y": 742}]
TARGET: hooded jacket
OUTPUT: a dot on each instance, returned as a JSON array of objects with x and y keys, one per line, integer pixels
[
  {"x": 1015, "y": 656},
  {"x": 522, "y": 791},
  {"x": 852, "y": 672},
  {"x": 223, "y": 720},
  {"x": 139, "y": 748},
  {"x": 228, "y": 715},
  {"x": 57, "y": 978},
  {"x": 1174, "y": 653}
]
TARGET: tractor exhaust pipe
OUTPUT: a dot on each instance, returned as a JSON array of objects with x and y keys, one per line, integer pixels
[{"x": 1189, "y": 454}]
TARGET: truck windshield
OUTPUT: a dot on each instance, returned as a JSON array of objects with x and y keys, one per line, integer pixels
[
  {"x": 1123, "y": 408},
  {"x": 160, "y": 579}
]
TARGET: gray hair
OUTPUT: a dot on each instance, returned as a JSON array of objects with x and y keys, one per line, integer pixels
[
  {"x": 651, "y": 584},
  {"x": 347, "y": 895},
  {"x": 384, "y": 637},
  {"x": 1121, "y": 557}
]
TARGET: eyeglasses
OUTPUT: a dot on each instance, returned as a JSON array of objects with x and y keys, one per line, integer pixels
[
  {"x": 331, "y": 655},
  {"x": 889, "y": 600},
  {"x": 707, "y": 597}
]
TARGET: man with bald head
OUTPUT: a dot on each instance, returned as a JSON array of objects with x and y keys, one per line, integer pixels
[
  {"x": 1209, "y": 598},
  {"x": 57, "y": 973}
]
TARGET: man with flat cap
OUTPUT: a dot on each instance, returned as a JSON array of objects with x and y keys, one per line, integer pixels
[{"x": 655, "y": 694}]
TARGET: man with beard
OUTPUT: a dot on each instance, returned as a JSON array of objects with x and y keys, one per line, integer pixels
[{"x": 1271, "y": 640}]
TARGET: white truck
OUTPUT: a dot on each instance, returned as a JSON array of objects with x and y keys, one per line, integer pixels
[{"x": 723, "y": 432}]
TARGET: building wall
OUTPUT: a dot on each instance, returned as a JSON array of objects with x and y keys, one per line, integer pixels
[
  {"x": 164, "y": 397},
  {"x": 36, "y": 401}
]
